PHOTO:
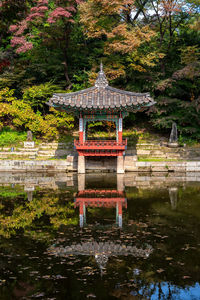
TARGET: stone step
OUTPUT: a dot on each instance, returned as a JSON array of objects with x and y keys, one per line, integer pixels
[
  {"x": 5, "y": 148},
  {"x": 54, "y": 148},
  {"x": 54, "y": 152},
  {"x": 50, "y": 145},
  {"x": 46, "y": 156},
  {"x": 17, "y": 153},
  {"x": 28, "y": 149},
  {"x": 40, "y": 152}
]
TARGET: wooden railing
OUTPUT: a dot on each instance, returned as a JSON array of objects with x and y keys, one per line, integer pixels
[{"x": 91, "y": 144}]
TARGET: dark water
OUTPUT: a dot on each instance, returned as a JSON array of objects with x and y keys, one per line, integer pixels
[{"x": 67, "y": 239}]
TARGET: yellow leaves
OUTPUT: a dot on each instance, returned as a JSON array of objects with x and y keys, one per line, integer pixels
[
  {"x": 140, "y": 61},
  {"x": 112, "y": 70},
  {"x": 196, "y": 24},
  {"x": 7, "y": 95},
  {"x": 21, "y": 114},
  {"x": 23, "y": 215},
  {"x": 190, "y": 54}
]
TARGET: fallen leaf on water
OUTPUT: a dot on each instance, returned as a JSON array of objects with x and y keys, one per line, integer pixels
[
  {"x": 91, "y": 296},
  {"x": 160, "y": 270},
  {"x": 185, "y": 277},
  {"x": 168, "y": 258}
]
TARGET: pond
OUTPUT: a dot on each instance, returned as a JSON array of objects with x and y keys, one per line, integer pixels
[{"x": 99, "y": 236}]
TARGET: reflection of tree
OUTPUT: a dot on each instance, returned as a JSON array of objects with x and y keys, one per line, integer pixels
[
  {"x": 140, "y": 289},
  {"x": 175, "y": 231},
  {"x": 24, "y": 214}
]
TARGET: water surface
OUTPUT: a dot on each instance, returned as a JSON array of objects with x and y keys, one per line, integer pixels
[{"x": 99, "y": 237}]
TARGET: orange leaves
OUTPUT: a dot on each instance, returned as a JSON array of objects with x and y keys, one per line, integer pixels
[
  {"x": 170, "y": 6},
  {"x": 100, "y": 17},
  {"x": 107, "y": 7},
  {"x": 125, "y": 40},
  {"x": 108, "y": 18}
]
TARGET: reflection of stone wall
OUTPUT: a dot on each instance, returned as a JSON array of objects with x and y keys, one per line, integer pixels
[
  {"x": 138, "y": 180},
  {"x": 160, "y": 180},
  {"x": 42, "y": 180}
]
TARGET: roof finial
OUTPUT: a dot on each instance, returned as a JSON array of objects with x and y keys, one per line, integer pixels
[
  {"x": 101, "y": 81},
  {"x": 101, "y": 66}
]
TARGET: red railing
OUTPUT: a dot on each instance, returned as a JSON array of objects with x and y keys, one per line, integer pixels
[
  {"x": 100, "y": 147},
  {"x": 105, "y": 202},
  {"x": 108, "y": 144}
]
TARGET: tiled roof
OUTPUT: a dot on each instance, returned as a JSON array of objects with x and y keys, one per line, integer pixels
[{"x": 101, "y": 97}]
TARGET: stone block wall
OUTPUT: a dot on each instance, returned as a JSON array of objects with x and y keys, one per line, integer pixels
[
  {"x": 147, "y": 150},
  {"x": 62, "y": 150},
  {"x": 103, "y": 165},
  {"x": 42, "y": 151}
]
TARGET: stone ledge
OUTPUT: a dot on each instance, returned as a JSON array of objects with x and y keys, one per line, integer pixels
[{"x": 70, "y": 164}]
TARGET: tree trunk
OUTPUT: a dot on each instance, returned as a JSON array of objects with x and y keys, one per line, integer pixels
[{"x": 66, "y": 46}]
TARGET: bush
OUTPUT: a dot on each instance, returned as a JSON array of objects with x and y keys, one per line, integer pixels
[
  {"x": 19, "y": 114},
  {"x": 10, "y": 137},
  {"x": 36, "y": 96}
]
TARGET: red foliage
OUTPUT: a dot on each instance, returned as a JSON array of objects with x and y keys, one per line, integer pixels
[
  {"x": 37, "y": 16},
  {"x": 57, "y": 13},
  {"x": 4, "y": 64}
]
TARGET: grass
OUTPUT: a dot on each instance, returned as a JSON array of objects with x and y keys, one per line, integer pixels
[
  {"x": 156, "y": 159},
  {"x": 9, "y": 137}
]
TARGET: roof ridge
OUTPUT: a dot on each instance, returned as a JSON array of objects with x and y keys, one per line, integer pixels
[
  {"x": 126, "y": 92},
  {"x": 75, "y": 93}
]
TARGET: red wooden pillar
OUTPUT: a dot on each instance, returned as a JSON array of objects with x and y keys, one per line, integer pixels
[
  {"x": 81, "y": 130},
  {"x": 119, "y": 213},
  {"x": 81, "y": 208},
  {"x": 81, "y": 214},
  {"x": 120, "y": 129},
  {"x": 120, "y": 208}
]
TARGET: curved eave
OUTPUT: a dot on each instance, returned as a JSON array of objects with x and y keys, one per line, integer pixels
[
  {"x": 76, "y": 110},
  {"x": 96, "y": 99}
]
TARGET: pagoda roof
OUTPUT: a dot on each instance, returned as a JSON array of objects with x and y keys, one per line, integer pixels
[{"x": 101, "y": 97}]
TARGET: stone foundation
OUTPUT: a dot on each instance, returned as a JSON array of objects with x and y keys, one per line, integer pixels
[
  {"x": 81, "y": 164},
  {"x": 120, "y": 164}
]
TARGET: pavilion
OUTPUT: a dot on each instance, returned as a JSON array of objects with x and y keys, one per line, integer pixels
[{"x": 101, "y": 103}]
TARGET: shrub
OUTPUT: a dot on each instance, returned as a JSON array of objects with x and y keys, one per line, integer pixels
[
  {"x": 11, "y": 137},
  {"x": 36, "y": 96},
  {"x": 18, "y": 113}
]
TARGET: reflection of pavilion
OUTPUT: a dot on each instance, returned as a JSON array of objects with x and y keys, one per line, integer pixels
[
  {"x": 107, "y": 198},
  {"x": 101, "y": 251},
  {"x": 100, "y": 198}
]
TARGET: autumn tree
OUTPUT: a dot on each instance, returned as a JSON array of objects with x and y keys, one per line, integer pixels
[
  {"x": 46, "y": 23},
  {"x": 119, "y": 27}
]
